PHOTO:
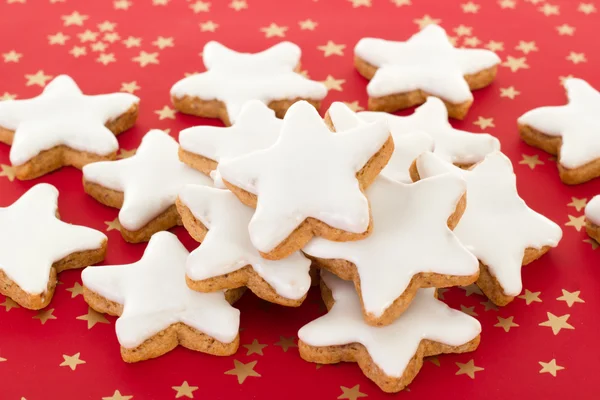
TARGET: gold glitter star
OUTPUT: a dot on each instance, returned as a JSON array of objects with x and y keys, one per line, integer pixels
[
  {"x": 44, "y": 315},
  {"x": 163, "y": 42},
  {"x": 238, "y": 5},
  {"x": 286, "y": 342},
  {"x": 12, "y": 56},
  {"x": 146, "y": 58},
  {"x": 360, "y": 3},
  {"x": 565, "y": 29},
  {"x": 591, "y": 242},
  {"x": 549, "y": 9},
  {"x": 515, "y": 64},
  {"x": 274, "y": 30},
  {"x": 3, "y": 359},
  {"x": 9, "y": 304},
  {"x": 531, "y": 161},
  {"x": 122, "y": 4},
  {"x": 579, "y": 204},
  {"x": 106, "y": 59},
  {"x": 484, "y": 122},
  {"x": 494, "y": 45},
  {"x": 507, "y": 3},
  {"x": 57, "y": 38},
  {"x": 8, "y": 96},
  {"x": 354, "y": 106},
  {"x": 400, "y": 3},
  {"x": 98, "y": 46},
  {"x": 87, "y": 36},
  {"x": 468, "y": 369},
  {"x": 160, "y": 2},
  {"x": 472, "y": 288},
  {"x": 185, "y": 390},
  {"x": 489, "y": 305},
  {"x": 39, "y": 78},
  {"x": 307, "y": 24},
  {"x": 576, "y": 58},
  {"x": 93, "y": 317},
  {"x": 165, "y": 113},
  {"x": 586, "y": 8},
  {"x": 531, "y": 297},
  {"x": 472, "y": 41},
  {"x": 426, "y": 20},
  {"x": 243, "y": 371},
  {"x": 470, "y": 7},
  {"x": 509, "y": 92},
  {"x": 576, "y": 222},
  {"x": 76, "y": 290},
  {"x": 107, "y": 26},
  {"x": 129, "y": 87},
  {"x": 74, "y": 19},
  {"x": 208, "y": 26},
  {"x": 352, "y": 393},
  {"x": 7, "y": 171},
  {"x": 570, "y": 297},
  {"x": 117, "y": 396},
  {"x": 114, "y": 224},
  {"x": 254, "y": 348},
  {"x": 469, "y": 310},
  {"x": 550, "y": 367},
  {"x": 71, "y": 361},
  {"x": 78, "y": 51},
  {"x": 200, "y": 6},
  {"x": 506, "y": 323},
  {"x": 557, "y": 323},
  {"x": 132, "y": 41},
  {"x": 562, "y": 79},
  {"x": 333, "y": 84},
  {"x": 526, "y": 47},
  {"x": 462, "y": 30},
  {"x": 331, "y": 49},
  {"x": 111, "y": 37}
]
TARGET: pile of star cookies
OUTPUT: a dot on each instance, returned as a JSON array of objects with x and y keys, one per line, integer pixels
[{"x": 385, "y": 208}]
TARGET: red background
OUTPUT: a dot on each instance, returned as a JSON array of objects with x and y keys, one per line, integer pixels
[{"x": 510, "y": 360}]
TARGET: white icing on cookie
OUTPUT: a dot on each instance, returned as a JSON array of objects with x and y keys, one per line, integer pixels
[
  {"x": 309, "y": 172},
  {"x": 32, "y": 238},
  {"x": 391, "y": 347},
  {"x": 154, "y": 295},
  {"x": 235, "y": 78},
  {"x": 427, "y": 129},
  {"x": 63, "y": 115},
  {"x": 497, "y": 226},
  {"x": 592, "y": 210},
  {"x": 577, "y": 123},
  {"x": 227, "y": 246},
  {"x": 410, "y": 236},
  {"x": 427, "y": 61},
  {"x": 150, "y": 180},
  {"x": 255, "y": 129}
]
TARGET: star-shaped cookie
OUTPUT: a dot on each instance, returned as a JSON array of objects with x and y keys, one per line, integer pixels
[
  {"x": 62, "y": 126},
  {"x": 35, "y": 245},
  {"x": 427, "y": 129},
  {"x": 569, "y": 131},
  {"x": 310, "y": 182},
  {"x": 233, "y": 78},
  {"x": 144, "y": 186},
  {"x": 391, "y": 356},
  {"x": 411, "y": 247},
  {"x": 226, "y": 259},
  {"x": 497, "y": 226},
  {"x": 203, "y": 147},
  {"x": 403, "y": 74},
  {"x": 156, "y": 310}
]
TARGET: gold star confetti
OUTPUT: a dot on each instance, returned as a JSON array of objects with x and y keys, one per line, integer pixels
[
  {"x": 506, "y": 323},
  {"x": 562, "y": 79},
  {"x": 307, "y": 24},
  {"x": 509, "y": 92},
  {"x": 333, "y": 84},
  {"x": 200, "y": 6},
  {"x": 3, "y": 359},
  {"x": 125, "y": 154},
  {"x": 146, "y": 58},
  {"x": 160, "y": 2},
  {"x": 87, "y": 36},
  {"x": 472, "y": 41},
  {"x": 434, "y": 360},
  {"x": 531, "y": 161},
  {"x": 576, "y": 222},
  {"x": 122, "y": 4},
  {"x": 400, "y": 3},
  {"x": 39, "y": 78},
  {"x": 531, "y": 297},
  {"x": 15, "y": 1},
  {"x": 549, "y": 9},
  {"x": 586, "y": 8},
  {"x": 117, "y": 396},
  {"x": 484, "y": 123},
  {"x": 352, "y": 393},
  {"x": 469, "y": 310},
  {"x": 78, "y": 51},
  {"x": 440, "y": 292},
  {"x": 111, "y": 37},
  {"x": 472, "y": 288},
  {"x": 360, "y": 3},
  {"x": 354, "y": 106},
  {"x": 8, "y": 96},
  {"x": 129, "y": 87},
  {"x": 8, "y": 172},
  {"x": 12, "y": 56},
  {"x": 255, "y": 348},
  {"x": 93, "y": 317},
  {"x": 107, "y": 26},
  {"x": 592, "y": 243},
  {"x": 163, "y": 42},
  {"x": 98, "y": 46},
  {"x": 332, "y": 48},
  {"x": 462, "y": 30},
  {"x": 185, "y": 390},
  {"x": 494, "y": 45},
  {"x": 489, "y": 305},
  {"x": 507, "y": 4},
  {"x": 557, "y": 322},
  {"x": 74, "y": 19},
  {"x": 576, "y": 58},
  {"x": 550, "y": 367},
  {"x": 286, "y": 342},
  {"x": 526, "y": 47},
  {"x": 58, "y": 38},
  {"x": 113, "y": 225},
  {"x": 426, "y": 20},
  {"x": 165, "y": 113},
  {"x": 515, "y": 64},
  {"x": 238, "y": 5},
  {"x": 470, "y": 7},
  {"x": 570, "y": 297},
  {"x": 44, "y": 315},
  {"x": 106, "y": 59},
  {"x": 579, "y": 204},
  {"x": 243, "y": 371},
  {"x": 208, "y": 26},
  {"x": 76, "y": 290},
  {"x": 71, "y": 361},
  {"x": 468, "y": 369},
  {"x": 565, "y": 29},
  {"x": 274, "y": 30},
  {"x": 9, "y": 304},
  {"x": 132, "y": 41}
]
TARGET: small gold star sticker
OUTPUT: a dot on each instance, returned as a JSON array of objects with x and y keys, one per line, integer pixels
[
  {"x": 586, "y": 8},
  {"x": 12, "y": 56},
  {"x": 400, "y": 3},
  {"x": 565, "y": 29},
  {"x": 122, "y": 4},
  {"x": 468, "y": 369},
  {"x": 549, "y": 9},
  {"x": 185, "y": 390},
  {"x": 354, "y": 106},
  {"x": 462, "y": 30},
  {"x": 426, "y": 20},
  {"x": 165, "y": 113},
  {"x": 162, "y": 42},
  {"x": 562, "y": 79},
  {"x": 331, "y": 49},
  {"x": 57, "y": 38},
  {"x": 531, "y": 161},
  {"x": 489, "y": 305},
  {"x": 111, "y": 37},
  {"x": 507, "y": 3},
  {"x": 470, "y": 7},
  {"x": 286, "y": 342},
  {"x": 515, "y": 64},
  {"x": 360, "y": 3},
  {"x": 74, "y": 19},
  {"x": 8, "y": 96},
  {"x": 132, "y": 41},
  {"x": 509, "y": 92},
  {"x": 472, "y": 288},
  {"x": 8, "y": 172},
  {"x": 117, "y": 396},
  {"x": 576, "y": 222},
  {"x": 78, "y": 51},
  {"x": 472, "y": 41},
  {"x": 576, "y": 58},
  {"x": 9, "y": 304},
  {"x": 3, "y": 359},
  {"x": 87, "y": 36},
  {"x": 254, "y": 348},
  {"x": 107, "y": 26},
  {"x": 506, "y": 323},
  {"x": 44, "y": 315},
  {"x": 526, "y": 47},
  {"x": 208, "y": 26},
  {"x": 76, "y": 290},
  {"x": 484, "y": 123},
  {"x": 238, "y": 5},
  {"x": 113, "y": 225},
  {"x": 557, "y": 323},
  {"x": 106, "y": 59},
  {"x": 71, "y": 361},
  {"x": 307, "y": 24},
  {"x": 550, "y": 367},
  {"x": 93, "y": 317},
  {"x": 579, "y": 204},
  {"x": 39, "y": 78},
  {"x": 570, "y": 297},
  {"x": 123, "y": 154},
  {"x": 333, "y": 84},
  {"x": 468, "y": 310},
  {"x": 494, "y": 45},
  {"x": 531, "y": 297},
  {"x": 200, "y": 6},
  {"x": 274, "y": 30},
  {"x": 243, "y": 371},
  {"x": 352, "y": 393},
  {"x": 591, "y": 242},
  {"x": 146, "y": 58},
  {"x": 129, "y": 87},
  {"x": 98, "y": 46}
]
